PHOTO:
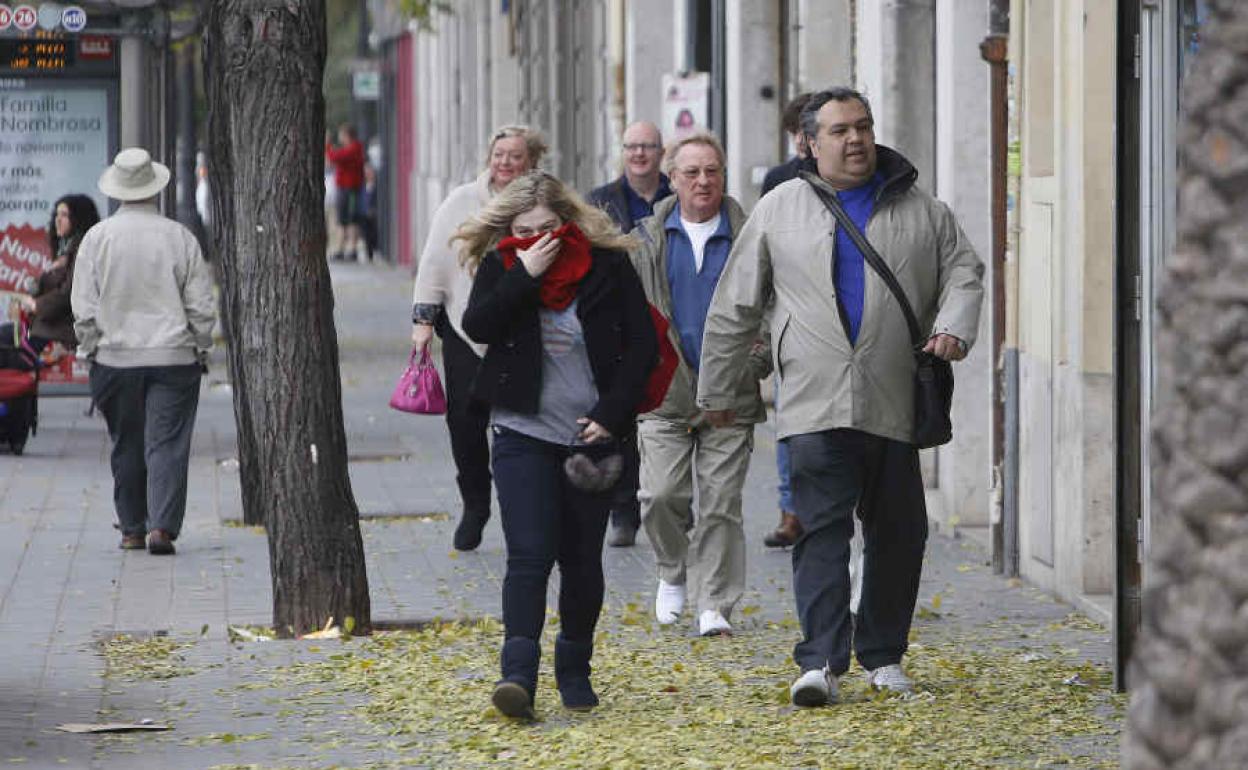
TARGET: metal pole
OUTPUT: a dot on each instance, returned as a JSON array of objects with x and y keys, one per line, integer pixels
[
  {"x": 361, "y": 107},
  {"x": 187, "y": 141},
  {"x": 994, "y": 50}
]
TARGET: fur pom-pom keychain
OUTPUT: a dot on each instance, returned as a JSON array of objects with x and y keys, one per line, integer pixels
[{"x": 593, "y": 475}]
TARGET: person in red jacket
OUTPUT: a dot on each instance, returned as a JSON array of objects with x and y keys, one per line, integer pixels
[{"x": 348, "y": 161}]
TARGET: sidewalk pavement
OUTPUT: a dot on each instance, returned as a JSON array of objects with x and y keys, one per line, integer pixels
[{"x": 65, "y": 588}]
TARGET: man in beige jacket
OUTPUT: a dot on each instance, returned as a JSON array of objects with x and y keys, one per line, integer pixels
[
  {"x": 684, "y": 247},
  {"x": 845, "y": 365}
]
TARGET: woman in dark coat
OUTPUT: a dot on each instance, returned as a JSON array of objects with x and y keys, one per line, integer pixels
[
  {"x": 48, "y": 303},
  {"x": 571, "y": 346}
]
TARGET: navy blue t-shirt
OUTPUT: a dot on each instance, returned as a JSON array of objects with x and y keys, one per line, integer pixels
[
  {"x": 638, "y": 207},
  {"x": 848, "y": 269}
]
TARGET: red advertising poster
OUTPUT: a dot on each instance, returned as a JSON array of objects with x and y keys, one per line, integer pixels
[{"x": 54, "y": 140}]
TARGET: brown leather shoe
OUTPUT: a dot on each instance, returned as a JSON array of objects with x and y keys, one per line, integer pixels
[
  {"x": 785, "y": 535},
  {"x": 132, "y": 543},
  {"x": 159, "y": 543}
]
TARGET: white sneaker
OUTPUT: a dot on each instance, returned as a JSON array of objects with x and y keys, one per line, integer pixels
[
  {"x": 890, "y": 678},
  {"x": 711, "y": 623},
  {"x": 669, "y": 602},
  {"x": 815, "y": 687}
]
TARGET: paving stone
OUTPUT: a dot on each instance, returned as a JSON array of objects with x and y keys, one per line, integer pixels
[{"x": 64, "y": 584}]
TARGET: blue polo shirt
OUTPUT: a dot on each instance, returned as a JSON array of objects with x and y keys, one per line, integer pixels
[
  {"x": 638, "y": 207},
  {"x": 849, "y": 267},
  {"x": 692, "y": 289}
]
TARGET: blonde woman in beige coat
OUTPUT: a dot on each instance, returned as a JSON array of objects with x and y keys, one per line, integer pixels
[{"x": 438, "y": 302}]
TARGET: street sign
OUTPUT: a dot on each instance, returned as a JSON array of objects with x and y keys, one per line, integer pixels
[
  {"x": 25, "y": 18},
  {"x": 366, "y": 85},
  {"x": 74, "y": 19},
  {"x": 49, "y": 16}
]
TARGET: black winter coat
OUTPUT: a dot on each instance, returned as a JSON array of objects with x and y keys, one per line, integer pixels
[
  {"x": 612, "y": 198},
  {"x": 615, "y": 317}
]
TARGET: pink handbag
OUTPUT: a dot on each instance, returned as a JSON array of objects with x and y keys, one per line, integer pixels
[{"x": 419, "y": 390}]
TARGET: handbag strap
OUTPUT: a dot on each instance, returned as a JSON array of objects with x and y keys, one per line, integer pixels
[{"x": 869, "y": 253}]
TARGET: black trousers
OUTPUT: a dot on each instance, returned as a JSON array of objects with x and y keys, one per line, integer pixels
[
  {"x": 468, "y": 425},
  {"x": 625, "y": 509},
  {"x": 835, "y": 472},
  {"x": 150, "y": 412},
  {"x": 548, "y": 521}
]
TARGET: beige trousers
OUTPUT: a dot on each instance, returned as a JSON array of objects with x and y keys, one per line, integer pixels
[{"x": 703, "y": 471}]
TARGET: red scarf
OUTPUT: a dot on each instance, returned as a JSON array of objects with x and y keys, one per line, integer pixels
[{"x": 561, "y": 279}]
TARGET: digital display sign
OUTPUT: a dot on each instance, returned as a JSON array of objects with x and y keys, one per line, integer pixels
[
  {"x": 37, "y": 55},
  {"x": 66, "y": 44}
]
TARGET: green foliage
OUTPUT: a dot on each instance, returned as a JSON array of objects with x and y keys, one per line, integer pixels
[
  {"x": 343, "y": 21},
  {"x": 422, "y": 11}
]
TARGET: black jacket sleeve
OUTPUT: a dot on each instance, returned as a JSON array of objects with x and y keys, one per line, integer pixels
[
  {"x": 498, "y": 296},
  {"x": 616, "y": 409},
  {"x": 52, "y": 297}
]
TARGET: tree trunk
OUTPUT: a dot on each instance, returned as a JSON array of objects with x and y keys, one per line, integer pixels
[
  {"x": 264, "y": 61},
  {"x": 1189, "y": 675}
]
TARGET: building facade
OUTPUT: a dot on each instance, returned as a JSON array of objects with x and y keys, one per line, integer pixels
[{"x": 1049, "y": 464}]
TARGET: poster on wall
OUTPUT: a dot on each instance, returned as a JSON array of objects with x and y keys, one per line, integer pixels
[
  {"x": 54, "y": 140},
  {"x": 686, "y": 103}
]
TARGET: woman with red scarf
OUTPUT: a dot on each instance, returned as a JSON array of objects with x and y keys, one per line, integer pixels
[{"x": 571, "y": 349}]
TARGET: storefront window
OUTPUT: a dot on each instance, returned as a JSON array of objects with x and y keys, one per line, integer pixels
[{"x": 1192, "y": 16}]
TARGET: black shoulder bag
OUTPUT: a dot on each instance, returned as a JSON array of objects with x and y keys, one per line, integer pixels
[{"x": 933, "y": 375}]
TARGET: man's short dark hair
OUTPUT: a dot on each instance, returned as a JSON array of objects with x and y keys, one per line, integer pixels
[
  {"x": 791, "y": 118},
  {"x": 810, "y": 113}
]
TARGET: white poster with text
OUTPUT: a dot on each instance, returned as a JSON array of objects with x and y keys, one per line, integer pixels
[{"x": 53, "y": 142}]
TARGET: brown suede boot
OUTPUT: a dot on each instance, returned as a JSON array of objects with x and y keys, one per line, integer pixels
[{"x": 786, "y": 534}]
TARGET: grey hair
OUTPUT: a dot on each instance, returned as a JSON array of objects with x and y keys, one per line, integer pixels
[
  {"x": 809, "y": 119},
  {"x": 700, "y": 137}
]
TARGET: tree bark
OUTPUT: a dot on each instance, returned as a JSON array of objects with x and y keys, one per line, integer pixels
[
  {"x": 1189, "y": 675},
  {"x": 264, "y": 63}
]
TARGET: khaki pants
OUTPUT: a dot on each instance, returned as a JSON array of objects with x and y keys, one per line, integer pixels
[{"x": 710, "y": 559}]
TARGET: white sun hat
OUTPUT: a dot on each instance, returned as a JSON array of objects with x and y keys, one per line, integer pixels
[{"x": 134, "y": 176}]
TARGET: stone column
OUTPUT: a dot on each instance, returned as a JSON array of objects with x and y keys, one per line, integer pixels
[
  {"x": 962, "y": 166},
  {"x": 649, "y": 53},
  {"x": 753, "y": 98},
  {"x": 136, "y": 114}
]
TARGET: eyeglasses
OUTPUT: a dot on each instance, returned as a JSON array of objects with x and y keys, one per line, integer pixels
[
  {"x": 693, "y": 172},
  {"x": 643, "y": 146}
]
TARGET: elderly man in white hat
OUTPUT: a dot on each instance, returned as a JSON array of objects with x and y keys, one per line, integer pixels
[{"x": 144, "y": 312}]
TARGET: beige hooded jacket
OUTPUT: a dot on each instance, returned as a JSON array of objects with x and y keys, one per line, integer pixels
[
  {"x": 784, "y": 254},
  {"x": 650, "y": 261}
]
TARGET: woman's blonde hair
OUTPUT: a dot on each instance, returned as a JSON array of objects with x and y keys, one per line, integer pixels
[
  {"x": 525, "y": 193},
  {"x": 534, "y": 143}
]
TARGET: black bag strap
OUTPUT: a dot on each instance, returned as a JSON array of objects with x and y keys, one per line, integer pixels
[{"x": 869, "y": 253}]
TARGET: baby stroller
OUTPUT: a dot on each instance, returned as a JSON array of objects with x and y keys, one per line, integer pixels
[{"x": 19, "y": 386}]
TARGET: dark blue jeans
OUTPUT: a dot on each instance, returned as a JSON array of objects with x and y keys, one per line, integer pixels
[
  {"x": 834, "y": 473},
  {"x": 150, "y": 411},
  {"x": 547, "y": 521}
]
